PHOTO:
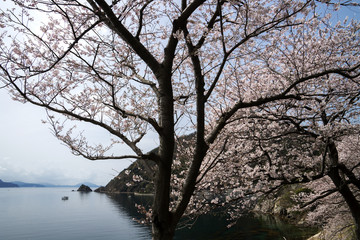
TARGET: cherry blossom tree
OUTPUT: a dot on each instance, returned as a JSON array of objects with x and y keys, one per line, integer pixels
[
  {"x": 313, "y": 139},
  {"x": 166, "y": 67},
  {"x": 271, "y": 154}
]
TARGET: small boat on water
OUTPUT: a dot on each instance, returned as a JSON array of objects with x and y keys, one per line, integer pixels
[{"x": 65, "y": 198}]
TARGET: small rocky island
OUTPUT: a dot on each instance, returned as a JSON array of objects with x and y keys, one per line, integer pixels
[{"x": 84, "y": 188}]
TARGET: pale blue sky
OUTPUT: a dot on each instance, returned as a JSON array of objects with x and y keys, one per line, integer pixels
[{"x": 29, "y": 152}]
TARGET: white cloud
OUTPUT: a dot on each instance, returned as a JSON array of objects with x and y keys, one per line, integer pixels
[{"x": 2, "y": 169}]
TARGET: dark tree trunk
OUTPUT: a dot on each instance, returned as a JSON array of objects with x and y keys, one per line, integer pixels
[
  {"x": 349, "y": 197},
  {"x": 163, "y": 225},
  {"x": 343, "y": 188}
]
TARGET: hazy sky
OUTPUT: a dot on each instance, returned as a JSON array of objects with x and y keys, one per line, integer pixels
[{"x": 30, "y": 153}]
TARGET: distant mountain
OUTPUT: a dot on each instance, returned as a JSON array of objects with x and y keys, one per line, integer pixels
[
  {"x": 24, "y": 184},
  {"x": 7, "y": 184},
  {"x": 76, "y": 185},
  {"x": 54, "y": 185},
  {"x": 89, "y": 184}
]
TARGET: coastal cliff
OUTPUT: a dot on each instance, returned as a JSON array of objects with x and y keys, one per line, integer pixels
[
  {"x": 140, "y": 175},
  {"x": 126, "y": 180}
]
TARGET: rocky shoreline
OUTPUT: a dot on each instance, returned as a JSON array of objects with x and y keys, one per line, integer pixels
[{"x": 282, "y": 205}]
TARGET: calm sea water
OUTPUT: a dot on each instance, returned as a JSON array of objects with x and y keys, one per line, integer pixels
[{"x": 39, "y": 213}]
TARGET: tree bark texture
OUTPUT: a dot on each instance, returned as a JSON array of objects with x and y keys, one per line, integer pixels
[{"x": 343, "y": 187}]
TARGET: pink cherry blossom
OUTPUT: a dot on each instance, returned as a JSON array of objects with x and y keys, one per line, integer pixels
[{"x": 269, "y": 89}]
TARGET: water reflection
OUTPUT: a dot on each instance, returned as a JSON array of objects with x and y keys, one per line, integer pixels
[
  {"x": 84, "y": 195},
  {"x": 214, "y": 227},
  {"x": 127, "y": 203},
  {"x": 39, "y": 213},
  {"x": 249, "y": 227}
]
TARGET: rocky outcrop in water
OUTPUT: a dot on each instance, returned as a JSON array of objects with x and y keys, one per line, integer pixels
[
  {"x": 101, "y": 189},
  {"x": 84, "y": 188}
]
